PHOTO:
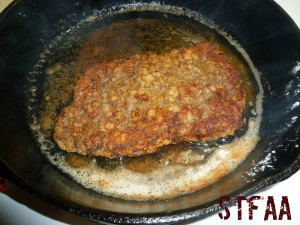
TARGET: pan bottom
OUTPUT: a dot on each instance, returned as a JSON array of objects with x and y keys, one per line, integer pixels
[{"x": 133, "y": 30}]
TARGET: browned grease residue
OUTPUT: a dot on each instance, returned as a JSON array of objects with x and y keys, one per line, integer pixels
[{"x": 121, "y": 40}]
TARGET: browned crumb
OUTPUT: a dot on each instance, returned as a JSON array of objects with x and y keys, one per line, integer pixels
[{"x": 133, "y": 106}]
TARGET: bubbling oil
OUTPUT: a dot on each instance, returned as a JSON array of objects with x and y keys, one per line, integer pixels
[{"x": 173, "y": 170}]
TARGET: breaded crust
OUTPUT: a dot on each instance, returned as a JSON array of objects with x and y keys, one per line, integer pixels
[{"x": 132, "y": 107}]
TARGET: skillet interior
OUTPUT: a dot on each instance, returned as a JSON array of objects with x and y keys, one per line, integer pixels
[{"x": 269, "y": 37}]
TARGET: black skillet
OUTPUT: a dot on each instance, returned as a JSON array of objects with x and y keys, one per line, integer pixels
[{"x": 264, "y": 30}]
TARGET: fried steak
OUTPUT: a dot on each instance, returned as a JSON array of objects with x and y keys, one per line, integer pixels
[{"x": 133, "y": 106}]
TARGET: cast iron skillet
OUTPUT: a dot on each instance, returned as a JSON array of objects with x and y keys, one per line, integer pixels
[{"x": 269, "y": 36}]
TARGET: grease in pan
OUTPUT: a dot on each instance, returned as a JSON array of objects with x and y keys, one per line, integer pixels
[{"x": 175, "y": 169}]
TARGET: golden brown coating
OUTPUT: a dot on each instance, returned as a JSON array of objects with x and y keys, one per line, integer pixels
[{"x": 133, "y": 106}]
